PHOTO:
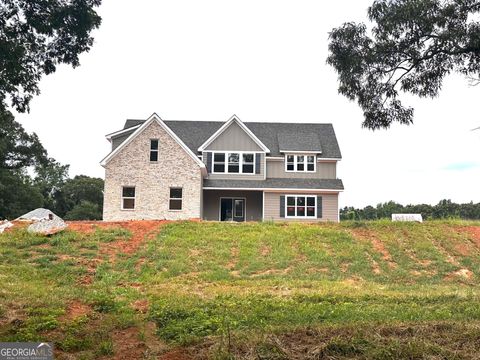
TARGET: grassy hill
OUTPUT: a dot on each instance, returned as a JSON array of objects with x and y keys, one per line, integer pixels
[{"x": 272, "y": 291}]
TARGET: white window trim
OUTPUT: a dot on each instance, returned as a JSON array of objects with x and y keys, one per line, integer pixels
[
  {"x": 305, "y": 163},
  {"x": 300, "y": 217},
  {"x": 128, "y": 197},
  {"x": 170, "y": 198},
  {"x": 240, "y": 162}
]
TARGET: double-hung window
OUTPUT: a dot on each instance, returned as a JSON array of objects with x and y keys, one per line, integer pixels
[
  {"x": 233, "y": 163},
  {"x": 290, "y": 162},
  {"x": 248, "y": 163},
  {"x": 300, "y": 163},
  {"x": 219, "y": 162},
  {"x": 301, "y": 206},
  {"x": 176, "y": 196},
  {"x": 128, "y": 198},
  {"x": 154, "y": 150}
]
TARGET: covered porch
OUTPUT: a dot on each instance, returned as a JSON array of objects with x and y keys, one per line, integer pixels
[{"x": 232, "y": 205}]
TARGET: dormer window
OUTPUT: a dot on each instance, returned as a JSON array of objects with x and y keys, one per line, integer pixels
[
  {"x": 300, "y": 163},
  {"x": 234, "y": 162},
  {"x": 154, "y": 150}
]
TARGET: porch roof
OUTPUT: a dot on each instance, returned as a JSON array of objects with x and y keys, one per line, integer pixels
[{"x": 275, "y": 183}]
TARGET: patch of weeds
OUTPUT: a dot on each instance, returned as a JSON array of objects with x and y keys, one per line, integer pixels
[
  {"x": 125, "y": 317},
  {"x": 343, "y": 347},
  {"x": 45, "y": 261},
  {"x": 73, "y": 343},
  {"x": 103, "y": 302},
  {"x": 270, "y": 351},
  {"x": 105, "y": 348},
  {"x": 183, "y": 325},
  {"x": 111, "y": 234},
  {"x": 90, "y": 245},
  {"x": 354, "y": 224}
]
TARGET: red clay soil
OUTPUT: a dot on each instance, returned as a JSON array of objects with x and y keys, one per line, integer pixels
[
  {"x": 140, "y": 230},
  {"x": 378, "y": 246},
  {"x": 127, "y": 345},
  {"x": 474, "y": 232},
  {"x": 75, "y": 310},
  {"x": 175, "y": 355}
]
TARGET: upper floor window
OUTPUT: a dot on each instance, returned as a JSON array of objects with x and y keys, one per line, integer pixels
[
  {"x": 154, "y": 150},
  {"x": 128, "y": 198},
  {"x": 234, "y": 162},
  {"x": 300, "y": 163}
]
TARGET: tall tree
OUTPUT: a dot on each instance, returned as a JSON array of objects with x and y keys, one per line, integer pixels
[
  {"x": 36, "y": 36},
  {"x": 18, "y": 149},
  {"x": 82, "y": 191},
  {"x": 411, "y": 47}
]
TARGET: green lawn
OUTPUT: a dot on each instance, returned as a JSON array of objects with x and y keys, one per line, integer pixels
[{"x": 270, "y": 291}]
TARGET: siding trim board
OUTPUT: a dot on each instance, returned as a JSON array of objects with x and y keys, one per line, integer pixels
[{"x": 274, "y": 189}]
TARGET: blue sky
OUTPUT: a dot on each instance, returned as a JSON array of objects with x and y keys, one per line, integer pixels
[{"x": 264, "y": 61}]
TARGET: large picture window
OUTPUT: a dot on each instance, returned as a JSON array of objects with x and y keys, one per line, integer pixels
[
  {"x": 301, "y": 206},
  {"x": 176, "y": 196},
  {"x": 128, "y": 198},
  {"x": 233, "y": 163},
  {"x": 300, "y": 163}
]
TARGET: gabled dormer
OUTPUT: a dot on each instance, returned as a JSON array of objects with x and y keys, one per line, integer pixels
[{"x": 234, "y": 151}]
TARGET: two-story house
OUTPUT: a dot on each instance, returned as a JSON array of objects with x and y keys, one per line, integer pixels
[{"x": 227, "y": 171}]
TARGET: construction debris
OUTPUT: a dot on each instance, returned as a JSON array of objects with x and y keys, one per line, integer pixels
[
  {"x": 5, "y": 225},
  {"x": 43, "y": 221}
]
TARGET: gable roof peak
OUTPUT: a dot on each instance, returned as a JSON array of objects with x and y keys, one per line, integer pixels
[{"x": 244, "y": 128}]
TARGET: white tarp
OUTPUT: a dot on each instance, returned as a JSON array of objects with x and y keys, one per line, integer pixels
[{"x": 407, "y": 217}]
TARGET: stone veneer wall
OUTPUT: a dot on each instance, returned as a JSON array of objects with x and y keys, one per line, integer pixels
[{"x": 152, "y": 181}]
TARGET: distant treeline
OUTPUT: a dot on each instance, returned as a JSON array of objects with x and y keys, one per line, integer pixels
[{"x": 443, "y": 210}]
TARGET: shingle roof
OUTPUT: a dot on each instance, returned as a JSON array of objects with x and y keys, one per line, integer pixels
[
  {"x": 276, "y": 183},
  {"x": 195, "y": 133},
  {"x": 298, "y": 141},
  {"x": 132, "y": 122}
]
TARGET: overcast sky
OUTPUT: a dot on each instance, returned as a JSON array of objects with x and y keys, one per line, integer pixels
[{"x": 263, "y": 61}]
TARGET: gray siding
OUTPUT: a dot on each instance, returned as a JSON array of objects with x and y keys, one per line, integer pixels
[
  {"x": 272, "y": 207},
  {"x": 325, "y": 170},
  {"x": 259, "y": 176},
  {"x": 234, "y": 138},
  {"x": 211, "y": 203}
]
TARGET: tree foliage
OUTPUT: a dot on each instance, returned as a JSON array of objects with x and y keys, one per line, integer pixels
[
  {"x": 85, "y": 210},
  {"x": 411, "y": 47},
  {"x": 81, "y": 192},
  {"x": 443, "y": 210},
  {"x": 18, "y": 149},
  {"x": 36, "y": 36}
]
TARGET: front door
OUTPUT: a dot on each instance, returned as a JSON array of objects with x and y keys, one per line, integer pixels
[{"x": 232, "y": 209}]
